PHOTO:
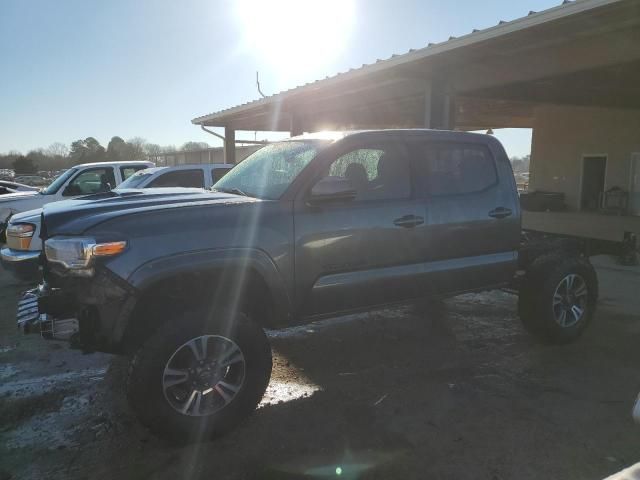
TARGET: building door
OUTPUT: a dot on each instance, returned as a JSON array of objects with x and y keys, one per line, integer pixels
[
  {"x": 634, "y": 187},
  {"x": 594, "y": 170}
]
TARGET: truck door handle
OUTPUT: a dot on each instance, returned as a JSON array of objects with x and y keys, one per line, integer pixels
[
  {"x": 408, "y": 221},
  {"x": 500, "y": 212}
]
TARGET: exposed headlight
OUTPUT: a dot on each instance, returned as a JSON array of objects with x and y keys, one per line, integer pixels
[
  {"x": 19, "y": 235},
  {"x": 77, "y": 253}
]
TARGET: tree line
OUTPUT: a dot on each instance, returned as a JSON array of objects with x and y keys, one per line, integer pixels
[{"x": 60, "y": 156}]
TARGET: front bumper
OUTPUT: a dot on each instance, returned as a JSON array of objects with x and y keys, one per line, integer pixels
[
  {"x": 25, "y": 264},
  {"x": 90, "y": 312},
  {"x": 31, "y": 318}
]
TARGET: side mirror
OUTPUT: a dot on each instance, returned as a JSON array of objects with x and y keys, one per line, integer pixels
[{"x": 331, "y": 189}]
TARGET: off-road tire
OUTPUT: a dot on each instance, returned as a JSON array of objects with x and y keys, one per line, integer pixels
[
  {"x": 145, "y": 379},
  {"x": 536, "y": 297}
]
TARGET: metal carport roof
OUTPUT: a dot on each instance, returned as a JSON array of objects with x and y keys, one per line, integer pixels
[{"x": 493, "y": 76}]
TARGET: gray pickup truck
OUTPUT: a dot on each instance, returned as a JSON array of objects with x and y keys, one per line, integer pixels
[{"x": 315, "y": 226}]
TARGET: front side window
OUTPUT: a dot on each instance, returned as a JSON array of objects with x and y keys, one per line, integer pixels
[
  {"x": 380, "y": 173},
  {"x": 269, "y": 171},
  {"x": 94, "y": 180},
  {"x": 179, "y": 178},
  {"x": 454, "y": 169}
]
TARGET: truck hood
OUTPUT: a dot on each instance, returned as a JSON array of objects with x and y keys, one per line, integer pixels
[
  {"x": 9, "y": 197},
  {"x": 21, "y": 201},
  {"x": 33, "y": 216},
  {"x": 73, "y": 217}
]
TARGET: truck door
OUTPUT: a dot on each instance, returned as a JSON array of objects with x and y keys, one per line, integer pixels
[
  {"x": 361, "y": 251},
  {"x": 472, "y": 227}
]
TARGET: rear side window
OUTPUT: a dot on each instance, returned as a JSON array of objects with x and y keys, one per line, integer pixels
[
  {"x": 454, "y": 169},
  {"x": 126, "y": 172},
  {"x": 179, "y": 178},
  {"x": 218, "y": 173}
]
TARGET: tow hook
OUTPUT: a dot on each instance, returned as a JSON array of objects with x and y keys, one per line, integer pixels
[{"x": 51, "y": 328}]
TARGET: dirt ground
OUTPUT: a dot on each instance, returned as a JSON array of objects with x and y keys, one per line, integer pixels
[{"x": 455, "y": 390}]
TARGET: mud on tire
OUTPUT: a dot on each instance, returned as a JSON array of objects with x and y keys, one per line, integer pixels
[
  {"x": 558, "y": 297},
  {"x": 223, "y": 357}
]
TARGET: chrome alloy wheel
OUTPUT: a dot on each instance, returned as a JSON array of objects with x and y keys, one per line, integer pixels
[
  {"x": 203, "y": 375},
  {"x": 570, "y": 300}
]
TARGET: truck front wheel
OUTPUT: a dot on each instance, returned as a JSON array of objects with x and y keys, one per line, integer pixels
[
  {"x": 199, "y": 375},
  {"x": 558, "y": 297}
]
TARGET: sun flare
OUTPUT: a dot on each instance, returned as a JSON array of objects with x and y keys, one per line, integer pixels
[{"x": 296, "y": 36}]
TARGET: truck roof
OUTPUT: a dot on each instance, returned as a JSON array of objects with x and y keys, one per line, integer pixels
[
  {"x": 338, "y": 135},
  {"x": 129, "y": 162},
  {"x": 190, "y": 166}
]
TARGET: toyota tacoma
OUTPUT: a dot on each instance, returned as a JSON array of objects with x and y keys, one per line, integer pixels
[{"x": 315, "y": 226}]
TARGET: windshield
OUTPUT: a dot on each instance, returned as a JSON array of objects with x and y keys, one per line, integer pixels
[
  {"x": 268, "y": 172},
  {"x": 135, "y": 180},
  {"x": 58, "y": 182}
]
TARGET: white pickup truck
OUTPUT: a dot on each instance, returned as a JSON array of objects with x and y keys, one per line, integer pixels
[
  {"x": 20, "y": 256},
  {"x": 83, "y": 179}
]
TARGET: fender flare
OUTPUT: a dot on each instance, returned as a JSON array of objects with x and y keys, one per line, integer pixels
[{"x": 204, "y": 261}]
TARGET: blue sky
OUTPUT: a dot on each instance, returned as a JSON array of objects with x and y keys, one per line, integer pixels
[{"x": 72, "y": 69}]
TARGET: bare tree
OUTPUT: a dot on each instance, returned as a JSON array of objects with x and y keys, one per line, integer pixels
[
  {"x": 57, "y": 149},
  {"x": 189, "y": 146},
  {"x": 136, "y": 147},
  {"x": 152, "y": 149}
]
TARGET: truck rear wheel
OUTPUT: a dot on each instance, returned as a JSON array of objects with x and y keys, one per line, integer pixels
[
  {"x": 558, "y": 298},
  {"x": 199, "y": 375}
]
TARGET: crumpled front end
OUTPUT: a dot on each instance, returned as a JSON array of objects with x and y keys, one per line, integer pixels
[
  {"x": 32, "y": 319},
  {"x": 85, "y": 312}
]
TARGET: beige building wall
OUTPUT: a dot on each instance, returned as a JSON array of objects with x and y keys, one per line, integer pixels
[{"x": 563, "y": 135}]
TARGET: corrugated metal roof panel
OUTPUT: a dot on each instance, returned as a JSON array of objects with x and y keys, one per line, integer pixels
[{"x": 567, "y": 8}]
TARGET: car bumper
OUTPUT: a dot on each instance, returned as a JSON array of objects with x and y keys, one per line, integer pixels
[
  {"x": 24, "y": 264},
  {"x": 90, "y": 312},
  {"x": 31, "y": 318}
]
